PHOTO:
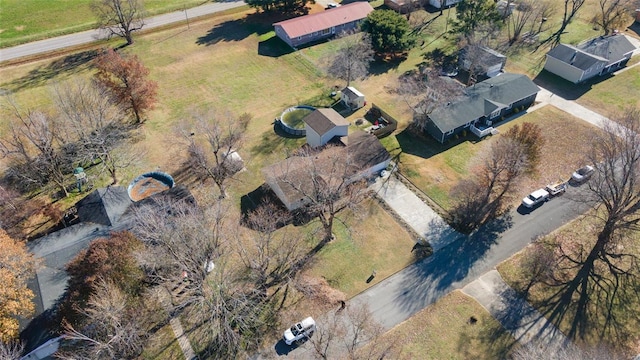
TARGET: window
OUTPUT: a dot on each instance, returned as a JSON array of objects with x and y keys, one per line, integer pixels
[
  {"x": 450, "y": 132},
  {"x": 326, "y": 31},
  {"x": 494, "y": 114}
]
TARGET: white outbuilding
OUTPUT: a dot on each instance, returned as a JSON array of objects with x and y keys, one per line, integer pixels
[{"x": 352, "y": 98}]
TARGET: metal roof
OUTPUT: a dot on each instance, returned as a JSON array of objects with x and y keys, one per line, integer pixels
[{"x": 308, "y": 24}]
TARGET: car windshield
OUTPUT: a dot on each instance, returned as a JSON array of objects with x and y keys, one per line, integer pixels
[
  {"x": 533, "y": 197},
  {"x": 583, "y": 171},
  {"x": 295, "y": 329}
]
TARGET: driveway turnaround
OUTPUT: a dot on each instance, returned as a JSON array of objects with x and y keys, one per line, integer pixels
[
  {"x": 515, "y": 314},
  {"x": 85, "y": 37}
]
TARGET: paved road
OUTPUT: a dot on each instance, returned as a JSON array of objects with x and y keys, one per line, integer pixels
[
  {"x": 85, "y": 37},
  {"x": 398, "y": 297},
  {"x": 515, "y": 314}
]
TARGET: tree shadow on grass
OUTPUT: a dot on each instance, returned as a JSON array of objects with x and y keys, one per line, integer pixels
[
  {"x": 276, "y": 140},
  {"x": 240, "y": 29},
  {"x": 382, "y": 66},
  {"x": 434, "y": 277},
  {"x": 593, "y": 297},
  {"x": 494, "y": 341},
  {"x": 67, "y": 65}
]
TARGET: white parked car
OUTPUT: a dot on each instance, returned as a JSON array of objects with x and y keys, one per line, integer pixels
[
  {"x": 583, "y": 174},
  {"x": 535, "y": 198},
  {"x": 302, "y": 330}
]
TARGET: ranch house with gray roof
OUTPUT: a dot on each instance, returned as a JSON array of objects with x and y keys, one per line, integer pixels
[{"x": 482, "y": 106}]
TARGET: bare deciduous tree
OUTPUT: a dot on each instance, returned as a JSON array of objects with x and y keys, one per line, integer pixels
[
  {"x": 326, "y": 181},
  {"x": 473, "y": 58},
  {"x": 615, "y": 186},
  {"x": 480, "y": 199},
  {"x": 352, "y": 334},
  {"x": 217, "y": 159},
  {"x": 424, "y": 92},
  {"x": 530, "y": 136},
  {"x": 270, "y": 257},
  {"x": 97, "y": 124},
  {"x": 351, "y": 60},
  {"x": 111, "y": 328},
  {"x": 613, "y": 13},
  {"x": 182, "y": 242},
  {"x": 528, "y": 14},
  {"x": 570, "y": 9},
  {"x": 11, "y": 350},
  {"x": 187, "y": 252},
  {"x": 119, "y": 17},
  {"x": 37, "y": 148}
]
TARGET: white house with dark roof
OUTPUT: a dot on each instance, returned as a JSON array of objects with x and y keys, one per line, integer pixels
[
  {"x": 323, "y": 125},
  {"x": 591, "y": 58},
  {"x": 354, "y": 157},
  {"x": 483, "y": 105},
  {"x": 352, "y": 98},
  {"x": 304, "y": 29},
  {"x": 482, "y": 60}
]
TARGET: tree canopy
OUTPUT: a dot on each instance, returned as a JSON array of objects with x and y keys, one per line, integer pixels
[
  {"x": 127, "y": 80},
  {"x": 471, "y": 14},
  {"x": 390, "y": 32},
  {"x": 16, "y": 267},
  {"x": 119, "y": 17}
]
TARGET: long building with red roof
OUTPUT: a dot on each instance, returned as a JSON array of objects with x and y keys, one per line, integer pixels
[{"x": 308, "y": 28}]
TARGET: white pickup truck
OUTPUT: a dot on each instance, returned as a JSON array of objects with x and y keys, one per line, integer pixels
[{"x": 557, "y": 188}]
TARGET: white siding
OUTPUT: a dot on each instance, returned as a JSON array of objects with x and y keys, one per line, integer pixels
[
  {"x": 563, "y": 69},
  {"x": 313, "y": 138}
]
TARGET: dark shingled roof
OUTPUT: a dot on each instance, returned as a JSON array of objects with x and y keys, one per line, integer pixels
[
  {"x": 323, "y": 120},
  {"x": 487, "y": 56},
  {"x": 363, "y": 152},
  {"x": 104, "y": 206},
  {"x": 607, "y": 50},
  {"x": 482, "y": 99}
]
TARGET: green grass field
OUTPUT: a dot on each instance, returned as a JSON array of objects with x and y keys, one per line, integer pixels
[
  {"x": 443, "y": 331},
  {"x": 23, "y": 21}
]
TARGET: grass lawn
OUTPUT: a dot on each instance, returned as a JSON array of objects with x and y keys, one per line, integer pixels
[
  {"x": 612, "y": 95},
  {"x": 619, "y": 326},
  {"x": 23, "y": 21},
  {"x": 442, "y": 331},
  {"x": 163, "y": 345},
  {"x": 370, "y": 239},
  {"x": 434, "y": 168}
]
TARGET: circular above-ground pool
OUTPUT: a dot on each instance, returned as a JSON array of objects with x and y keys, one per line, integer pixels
[
  {"x": 291, "y": 119},
  {"x": 149, "y": 184}
]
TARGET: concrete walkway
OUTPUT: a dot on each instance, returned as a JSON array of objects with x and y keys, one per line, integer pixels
[
  {"x": 426, "y": 222},
  {"x": 515, "y": 314},
  {"x": 85, "y": 37},
  {"x": 183, "y": 341}
]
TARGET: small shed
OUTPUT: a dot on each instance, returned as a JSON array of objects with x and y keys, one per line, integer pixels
[{"x": 352, "y": 98}]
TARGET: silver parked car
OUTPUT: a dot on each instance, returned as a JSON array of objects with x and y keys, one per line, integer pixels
[{"x": 583, "y": 174}]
